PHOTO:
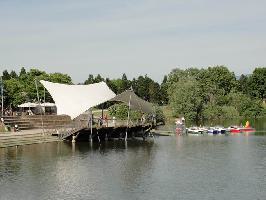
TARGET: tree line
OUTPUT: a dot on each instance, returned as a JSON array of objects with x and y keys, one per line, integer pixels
[
  {"x": 197, "y": 94},
  {"x": 216, "y": 93},
  {"x": 20, "y": 87}
]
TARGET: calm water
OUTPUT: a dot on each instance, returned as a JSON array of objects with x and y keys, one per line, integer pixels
[{"x": 188, "y": 167}]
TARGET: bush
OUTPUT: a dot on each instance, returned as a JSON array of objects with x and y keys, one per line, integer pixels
[
  {"x": 120, "y": 111},
  {"x": 160, "y": 118},
  {"x": 230, "y": 112}
]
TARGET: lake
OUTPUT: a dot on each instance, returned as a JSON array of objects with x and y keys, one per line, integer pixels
[{"x": 175, "y": 167}]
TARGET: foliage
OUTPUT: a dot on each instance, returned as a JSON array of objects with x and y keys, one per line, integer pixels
[
  {"x": 243, "y": 84},
  {"x": 120, "y": 111},
  {"x": 163, "y": 91},
  {"x": 92, "y": 80},
  {"x": 19, "y": 89},
  {"x": 214, "y": 93},
  {"x": 186, "y": 99},
  {"x": 6, "y": 75},
  {"x": 159, "y": 115},
  {"x": 257, "y": 83},
  {"x": 229, "y": 112},
  {"x": 198, "y": 94},
  {"x": 246, "y": 106},
  {"x": 212, "y": 112}
]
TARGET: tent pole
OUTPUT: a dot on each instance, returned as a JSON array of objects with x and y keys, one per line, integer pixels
[
  {"x": 44, "y": 98},
  {"x": 38, "y": 97},
  {"x": 2, "y": 96},
  {"x": 128, "y": 115},
  {"x": 102, "y": 110},
  {"x": 91, "y": 119},
  {"x": 43, "y": 94}
]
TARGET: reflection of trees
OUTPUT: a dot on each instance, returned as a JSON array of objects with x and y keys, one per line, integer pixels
[
  {"x": 30, "y": 159},
  {"x": 124, "y": 162},
  {"x": 138, "y": 160}
]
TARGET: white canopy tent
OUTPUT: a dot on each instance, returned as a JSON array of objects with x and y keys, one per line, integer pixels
[
  {"x": 28, "y": 105},
  {"x": 48, "y": 104},
  {"x": 73, "y": 100}
]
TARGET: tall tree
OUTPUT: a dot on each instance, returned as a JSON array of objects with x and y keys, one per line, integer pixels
[
  {"x": 22, "y": 72},
  {"x": 90, "y": 80},
  {"x": 258, "y": 83},
  {"x": 243, "y": 84},
  {"x": 125, "y": 82},
  {"x": 163, "y": 90},
  {"x": 111, "y": 85},
  {"x": 186, "y": 99},
  {"x": 60, "y": 78},
  {"x": 98, "y": 79},
  {"x": 6, "y": 75},
  {"x": 13, "y": 74}
]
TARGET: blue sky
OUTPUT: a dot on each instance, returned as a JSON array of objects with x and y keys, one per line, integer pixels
[{"x": 137, "y": 37}]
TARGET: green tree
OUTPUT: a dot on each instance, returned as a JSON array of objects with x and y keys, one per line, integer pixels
[
  {"x": 90, "y": 80},
  {"x": 58, "y": 78},
  {"x": 6, "y": 75},
  {"x": 212, "y": 112},
  {"x": 243, "y": 84},
  {"x": 246, "y": 106},
  {"x": 163, "y": 90},
  {"x": 257, "y": 83},
  {"x": 98, "y": 79},
  {"x": 217, "y": 80},
  {"x": 120, "y": 111},
  {"x": 154, "y": 92},
  {"x": 22, "y": 72},
  {"x": 13, "y": 74},
  {"x": 185, "y": 97},
  {"x": 14, "y": 92},
  {"x": 125, "y": 83},
  {"x": 111, "y": 85}
]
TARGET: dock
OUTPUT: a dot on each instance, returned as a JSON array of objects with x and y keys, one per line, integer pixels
[{"x": 60, "y": 128}]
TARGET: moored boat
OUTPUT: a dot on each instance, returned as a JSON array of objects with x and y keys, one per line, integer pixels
[{"x": 240, "y": 129}]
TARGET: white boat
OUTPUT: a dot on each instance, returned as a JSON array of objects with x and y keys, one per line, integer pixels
[{"x": 196, "y": 130}]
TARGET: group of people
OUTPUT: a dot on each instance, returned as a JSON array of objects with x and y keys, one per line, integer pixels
[
  {"x": 100, "y": 122},
  {"x": 8, "y": 112}
]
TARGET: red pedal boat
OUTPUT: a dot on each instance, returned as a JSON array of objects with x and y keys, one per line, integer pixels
[{"x": 238, "y": 129}]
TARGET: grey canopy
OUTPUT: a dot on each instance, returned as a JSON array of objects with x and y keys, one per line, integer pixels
[{"x": 135, "y": 101}]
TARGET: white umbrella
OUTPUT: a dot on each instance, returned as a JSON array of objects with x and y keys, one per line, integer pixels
[
  {"x": 28, "y": 105},
  {"x": 48, "y": 104}
]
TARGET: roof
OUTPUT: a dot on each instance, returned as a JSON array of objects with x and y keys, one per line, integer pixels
[
  {"x": 135, "y": 101},
  {"x": 73, "y": 100}
]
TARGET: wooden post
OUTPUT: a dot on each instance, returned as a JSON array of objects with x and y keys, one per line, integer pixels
[
  {"x": 73, "y": 138},
  {"x": 98, "y": 136},
  {"x": 38, "y": 97}
]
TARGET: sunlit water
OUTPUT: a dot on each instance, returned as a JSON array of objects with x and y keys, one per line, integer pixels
[{"x": 186, "y": 167}]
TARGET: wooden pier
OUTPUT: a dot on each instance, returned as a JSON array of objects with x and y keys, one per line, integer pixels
[
  {"x": 99, "y": 134},
  {"x": 57, "y": 128}
]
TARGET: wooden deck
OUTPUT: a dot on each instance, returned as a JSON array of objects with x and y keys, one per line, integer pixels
[{"x": 58, "y": 128}]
